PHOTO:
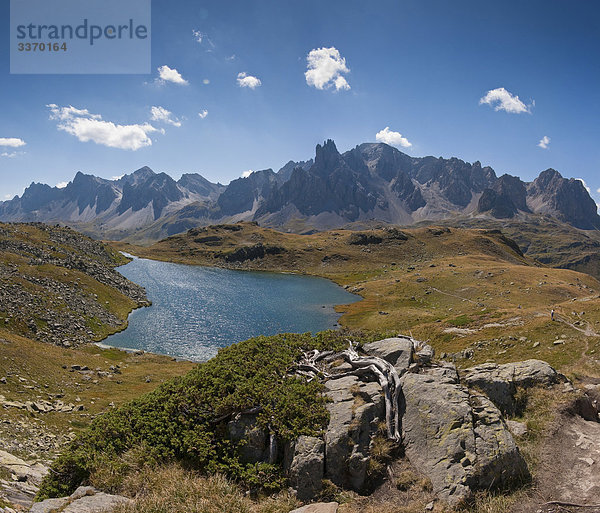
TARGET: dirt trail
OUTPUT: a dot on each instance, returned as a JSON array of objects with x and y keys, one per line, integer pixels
[{"x": 569, "y": 471}]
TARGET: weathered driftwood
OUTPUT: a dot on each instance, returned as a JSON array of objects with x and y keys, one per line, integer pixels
[{"x": 386, "y": 375}]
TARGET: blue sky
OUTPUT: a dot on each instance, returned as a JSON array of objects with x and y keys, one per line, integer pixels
[{"x": 419, "y": 67}]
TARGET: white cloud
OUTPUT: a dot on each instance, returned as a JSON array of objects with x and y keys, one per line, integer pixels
[
  {"x": 167, "y": 74},
  {"x": 61, "y": 185},
  {"x": 544, "y": 142},
  {"x": 245, "y": 80},
  {"x": 387, "y": 136},
  {"x": 203, "y": 114},
  {"x": 231, "y": 57},
  {"x": 91, "y": 127},
  {"x": 246, "y": 174},
  {"x": 201, "y": 38},
  {"x": 12, "y": 142},
  {"x": 325, "y": 69},
  {"x": 163, "y": 115},
  {"x": 501, "y": 99},
  {"x": 7, "y": 196},
  {"x": 206, "y": 81},
  {"x": 116, "y": 177},
  {"x": 9, "y": 154}
]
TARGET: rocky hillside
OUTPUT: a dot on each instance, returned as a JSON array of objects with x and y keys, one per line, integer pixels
[
  {"x": 61, "y": 287},
  {"x": 369, "y": 182}
]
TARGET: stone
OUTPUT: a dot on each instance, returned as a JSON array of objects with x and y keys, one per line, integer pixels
[
  {"x": 307, "y": 466},
  {"x": 398, "y": 351},
  {"x": 499, "y": 462},
  {"x": 256, "y": 442},
  {"x": 15, "y": 465},
  {"x": 85, "y": 499},
  {"x": 425, "y": 355},
  {"x": 457, "y": 438},
  {"x": 354, "y": 414},
  {"x": 517, "y": 428},
  {"x": 500, "y": 382},
  {"x": 438, "y": 434},
  {"x": 49, "y": 505},
  {"x": 318, "y": 507}
]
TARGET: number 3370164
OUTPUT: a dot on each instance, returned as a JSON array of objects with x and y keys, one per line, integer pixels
[{"x": 42, "y": 47}]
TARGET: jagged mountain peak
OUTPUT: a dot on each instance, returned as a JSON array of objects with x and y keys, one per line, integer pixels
[{"x": 372, "y": 181}]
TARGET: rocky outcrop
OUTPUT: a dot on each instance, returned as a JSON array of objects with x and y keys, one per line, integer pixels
[
  {"x": 505, "y": 198},
  {"x": 438, "y": 434},
  {"x": 256, "y": 441},
  {"x": 355, "y": 410},
  {"x": 398, "y": 351},
  {"x": 84, "y": 500},
  {"x": 498, "y": 461},
  {"x": 500, "y": 382},
  {"x": 451, "y": 431},
  {"x": 305, "y": 466},
  {"x": 25, "y": 477},
  {"x": 565, "y": 199}
]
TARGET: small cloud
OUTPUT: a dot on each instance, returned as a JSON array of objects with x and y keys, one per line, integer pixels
[
  {"x": 202, "y": 38},
  {"x": 206, "y": 81},
  {"x": 245, "y": 80},
  {"x": 91, "y": 127},
  {"x": 544, "y": 142},
  {"x": 203, "y": 114},
  {"x": 7, "y": 196},
  {"x": 387, "y": 136},
  {"x": 9, "y": 154},
  {"x": 231, "y": 57},
  {"x": 164, "y": 116},
  {"x": 167, "y": 74},
  {"x": 501, "y": 99},
  {"x": 246, "y": 174},
  {"x": 117, "y": 177},
  {"x": 12, "y": 142},
  {"x": 325, "y": 69},
  {"x": 61, "y": 185}
]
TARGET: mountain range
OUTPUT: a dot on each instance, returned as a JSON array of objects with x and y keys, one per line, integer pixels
[{"x": 370, "y": 182}]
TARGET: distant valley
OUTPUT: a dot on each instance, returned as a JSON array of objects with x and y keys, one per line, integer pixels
[{"x": 370, "y": 183}]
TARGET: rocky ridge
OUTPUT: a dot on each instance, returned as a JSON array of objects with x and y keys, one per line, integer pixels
[{"x": 368, "y": 182}]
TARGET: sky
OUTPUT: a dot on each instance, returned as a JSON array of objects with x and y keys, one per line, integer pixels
[{"x": 247, "y": 85}]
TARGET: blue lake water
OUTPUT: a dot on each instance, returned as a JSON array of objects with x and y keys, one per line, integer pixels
[{"x": 196, "y": 310}]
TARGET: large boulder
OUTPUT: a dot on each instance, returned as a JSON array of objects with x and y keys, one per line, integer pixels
[
  {"x": 305, "y": 466},
  {"x": 438, "y": 435},
  {"x": 354, "y": 414},
  {"x": 500, "y": 382},
  {"x": 398, "y": 351},
  {"x": 499, "y": 462},
  {"x": 455, "y": 437}
]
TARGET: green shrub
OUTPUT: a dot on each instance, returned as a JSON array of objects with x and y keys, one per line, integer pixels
[{"x": 185, "y": 418}]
